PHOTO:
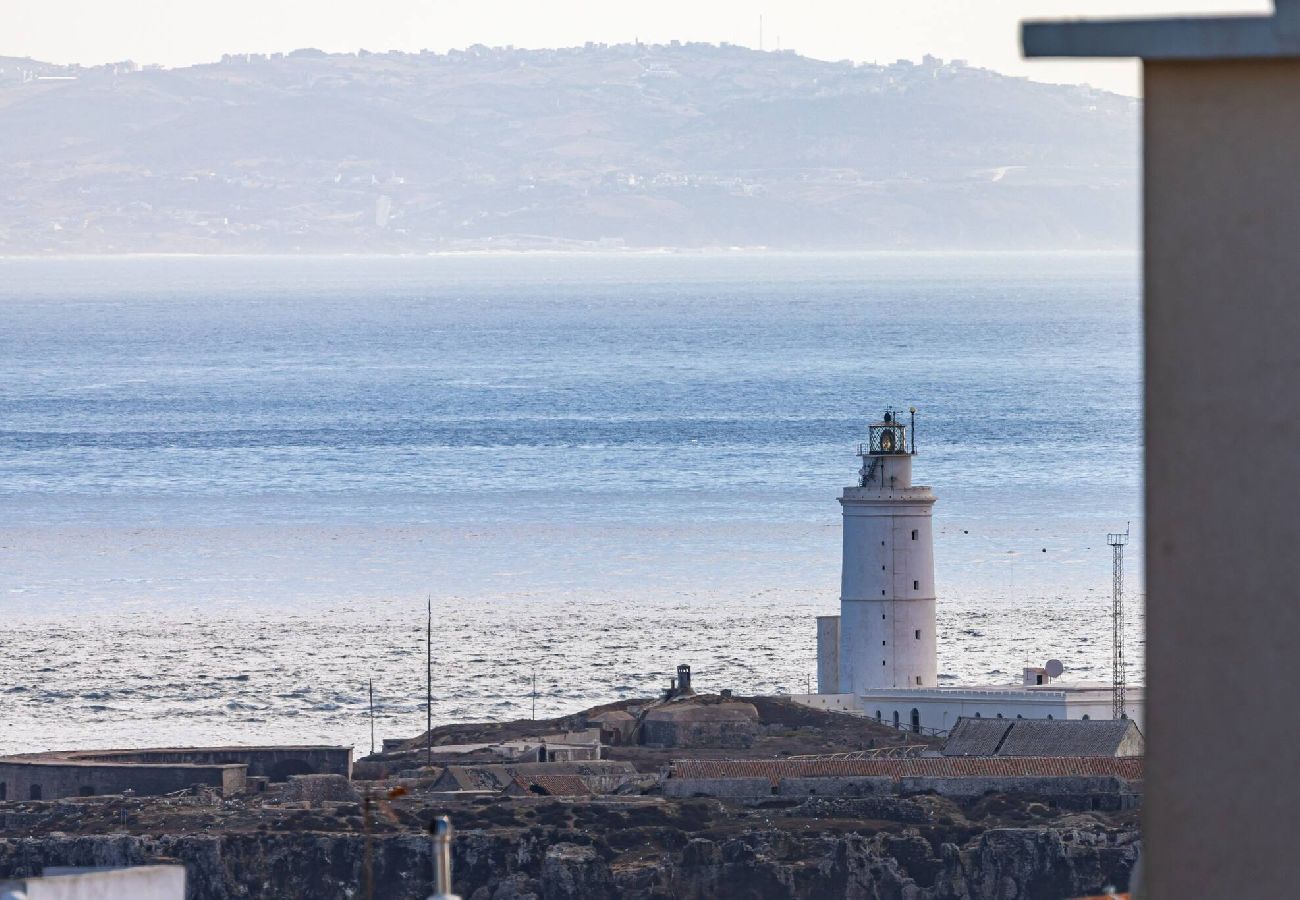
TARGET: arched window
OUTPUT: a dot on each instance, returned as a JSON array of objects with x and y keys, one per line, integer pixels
[
  {"x": 879, "y": 717},
  {"x": 1049, "y": 715},
  {"x": 978, "y": 716},
  {"x": 1019, "y": 716},
  {"x": 999, "y": 715},
  {"x": 916, "y": 721},
  {"x": 34, "y": 793},
  {"x": 895, "y": 718},
  {"x": 1086, "y": 717}
]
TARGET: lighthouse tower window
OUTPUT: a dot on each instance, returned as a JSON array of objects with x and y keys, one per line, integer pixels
[
  {"x": 914, "y": 534},
  {"x": 916, "y": 585},
  {"x": 918, "y": 634}
]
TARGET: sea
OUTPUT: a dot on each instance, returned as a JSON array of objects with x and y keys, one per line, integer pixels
[{"x": 234, "y": 492}]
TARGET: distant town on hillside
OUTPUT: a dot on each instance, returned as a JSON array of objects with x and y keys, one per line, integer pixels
[{"x": 596, "y": 147}]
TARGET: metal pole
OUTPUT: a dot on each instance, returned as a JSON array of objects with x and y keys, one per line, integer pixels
[
  {"x": 372, "y": 717},
  {"x": 428, "y": 693},
  {"x": 442, "y": 833},
  {"x": 534, "y": 695},
  {"x": 1119, "y": 687}
]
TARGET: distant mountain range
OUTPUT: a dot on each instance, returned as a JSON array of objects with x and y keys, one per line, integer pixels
[{"x": 627, "y": 146}]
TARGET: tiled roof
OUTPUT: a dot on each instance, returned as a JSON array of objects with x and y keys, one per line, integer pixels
[
  {"x": 977, "y": 737},
  {"x": 1129, "y": 768},
  {"x": 1073, "y": 737},
  {"x": 1043, "y": 737},
  {"x": 554, "y": 785}
]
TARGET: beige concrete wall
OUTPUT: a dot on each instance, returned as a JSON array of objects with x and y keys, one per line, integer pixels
[{"x": 1222, "y": 197}]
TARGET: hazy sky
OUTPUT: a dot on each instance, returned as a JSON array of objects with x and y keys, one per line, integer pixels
[{"x": 179, "y": 32}]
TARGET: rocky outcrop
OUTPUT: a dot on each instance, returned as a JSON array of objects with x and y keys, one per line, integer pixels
[{"x": 558, "y": 863}]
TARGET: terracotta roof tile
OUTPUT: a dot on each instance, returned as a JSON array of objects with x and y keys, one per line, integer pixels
[{"x": 554, "y": 785}]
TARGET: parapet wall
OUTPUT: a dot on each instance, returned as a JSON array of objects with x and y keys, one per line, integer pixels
[{"x": 275, "y": 763}]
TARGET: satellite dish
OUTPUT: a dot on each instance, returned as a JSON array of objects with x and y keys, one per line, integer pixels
[{"x": 1054, "y": 668}]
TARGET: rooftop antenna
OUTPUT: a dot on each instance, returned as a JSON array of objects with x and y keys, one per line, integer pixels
[
  {"x": 428, "y": 685},
  {"x": 1119, "y": 684}
]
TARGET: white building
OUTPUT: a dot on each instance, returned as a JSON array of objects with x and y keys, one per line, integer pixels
[{"x": 878, "y": 657}]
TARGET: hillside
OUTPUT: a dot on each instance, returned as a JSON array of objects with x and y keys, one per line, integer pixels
[{"x": 618, "y": 146}]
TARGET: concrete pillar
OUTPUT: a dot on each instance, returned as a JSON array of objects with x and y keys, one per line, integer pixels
[{"x": 1222, "y": 309}]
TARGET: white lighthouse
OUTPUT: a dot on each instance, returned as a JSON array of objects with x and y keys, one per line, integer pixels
[
  {"x": 886, "y": 634},
  {"x": 878, "y": 657}
]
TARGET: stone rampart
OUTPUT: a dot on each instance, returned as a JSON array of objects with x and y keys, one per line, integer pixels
[
  {"x": 1073, "y": 792},
  {"x": 1053, "y": 786},
  {"x": 832, "y": 786}
]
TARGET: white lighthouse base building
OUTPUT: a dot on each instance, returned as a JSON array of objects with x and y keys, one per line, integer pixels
[
  {"x": 936, "y": 710},
  {"x": 878, "y": 657}
]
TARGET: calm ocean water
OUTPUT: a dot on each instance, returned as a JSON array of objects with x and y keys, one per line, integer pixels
[{"x": 228, "y": 485}]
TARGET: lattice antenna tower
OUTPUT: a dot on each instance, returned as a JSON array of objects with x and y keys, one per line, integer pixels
[{"x": 1119, "y": 681}]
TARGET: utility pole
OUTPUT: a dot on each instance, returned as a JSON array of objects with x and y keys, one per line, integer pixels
[
  {"x": 428, "y": 682},
  {"x": 1119, "y": 680}
]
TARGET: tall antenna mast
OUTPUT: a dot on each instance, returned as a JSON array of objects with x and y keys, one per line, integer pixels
[
  {"x": 428, "y": 681},
  {"x": 1119, "y": 684}
]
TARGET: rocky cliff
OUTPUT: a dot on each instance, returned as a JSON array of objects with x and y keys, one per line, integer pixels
[{"x": 698, "y": 849}]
